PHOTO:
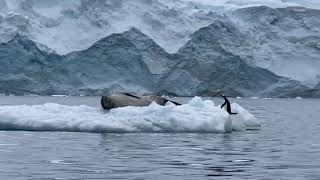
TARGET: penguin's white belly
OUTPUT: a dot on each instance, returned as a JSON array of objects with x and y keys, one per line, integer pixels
[{"x": 225, "y": 108}]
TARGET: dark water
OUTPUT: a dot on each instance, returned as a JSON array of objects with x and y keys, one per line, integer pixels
[{"x": 286, "y": 147}]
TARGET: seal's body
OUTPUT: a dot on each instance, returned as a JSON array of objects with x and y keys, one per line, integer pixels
[{"x": 125, "y": 99}]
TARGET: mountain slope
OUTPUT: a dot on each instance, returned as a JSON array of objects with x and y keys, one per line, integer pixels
[
  {"x": 278, "y": 38},
  {"x": 219, "y": 71},
  {"x": 23, "y": 67},
  {"x": 133, "y": 62},
  {"x": 266, "y": 37},
  {"x": 113, "y": 63},
  {"x": 127, "y": 61},
  {"x": 158, "y": 61}
]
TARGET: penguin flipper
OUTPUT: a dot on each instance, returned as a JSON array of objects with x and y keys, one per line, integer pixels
[{"x": 223, "y": 104}]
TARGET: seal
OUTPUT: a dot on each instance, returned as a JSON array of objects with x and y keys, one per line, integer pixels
[
  {"x": 116, "y": 100},
  {"x": 228, "y": 107}
]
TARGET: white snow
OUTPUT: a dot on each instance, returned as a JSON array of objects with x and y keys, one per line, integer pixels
[
  {"x": 74, "y": 25},
  {"x": 67, "y": 26},
  {"x": 197, "y": 116},
  {"x": 235, "y": 4}
]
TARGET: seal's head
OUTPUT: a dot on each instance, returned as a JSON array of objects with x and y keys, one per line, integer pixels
[{"x": 106, "y": 103}]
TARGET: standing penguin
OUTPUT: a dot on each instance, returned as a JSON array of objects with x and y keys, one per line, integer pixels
[{"x": 228, "y": 107}]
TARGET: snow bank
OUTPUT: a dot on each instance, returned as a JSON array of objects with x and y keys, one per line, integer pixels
[
  {"x": 235, "y": 4},
  {"x": 196, "y": 116}
]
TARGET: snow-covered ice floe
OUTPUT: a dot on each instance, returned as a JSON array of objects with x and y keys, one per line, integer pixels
[{"x": 197, "y": 116}]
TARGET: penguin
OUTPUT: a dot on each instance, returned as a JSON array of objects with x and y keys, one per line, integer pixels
[
  {"x": 116, "y": 100},
  {"x": 228, "y": 107}
]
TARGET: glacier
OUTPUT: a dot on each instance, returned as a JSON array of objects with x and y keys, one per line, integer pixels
[{"x": 183, "y": 47}]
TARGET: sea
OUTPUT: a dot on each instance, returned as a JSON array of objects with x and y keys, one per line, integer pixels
[{"x": 63, "y": 137}]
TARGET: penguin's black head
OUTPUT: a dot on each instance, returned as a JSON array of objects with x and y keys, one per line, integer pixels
[{"x": 224, "y": 97}]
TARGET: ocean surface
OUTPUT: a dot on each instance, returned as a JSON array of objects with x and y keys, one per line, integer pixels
[{"x": 286, "y": 146}]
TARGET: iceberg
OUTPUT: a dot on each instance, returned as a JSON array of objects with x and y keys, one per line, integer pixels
[{"x": 196, "y": 116}]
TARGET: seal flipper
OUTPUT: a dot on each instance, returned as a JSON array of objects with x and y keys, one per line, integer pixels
[
  {"x": 175, "y": 103},
  {"x": 131, "y": 95}
]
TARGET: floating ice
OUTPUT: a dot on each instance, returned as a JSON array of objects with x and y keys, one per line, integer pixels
[
  {"x": 58, "y": 95},
  {"x": 196, "y": 116}
]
